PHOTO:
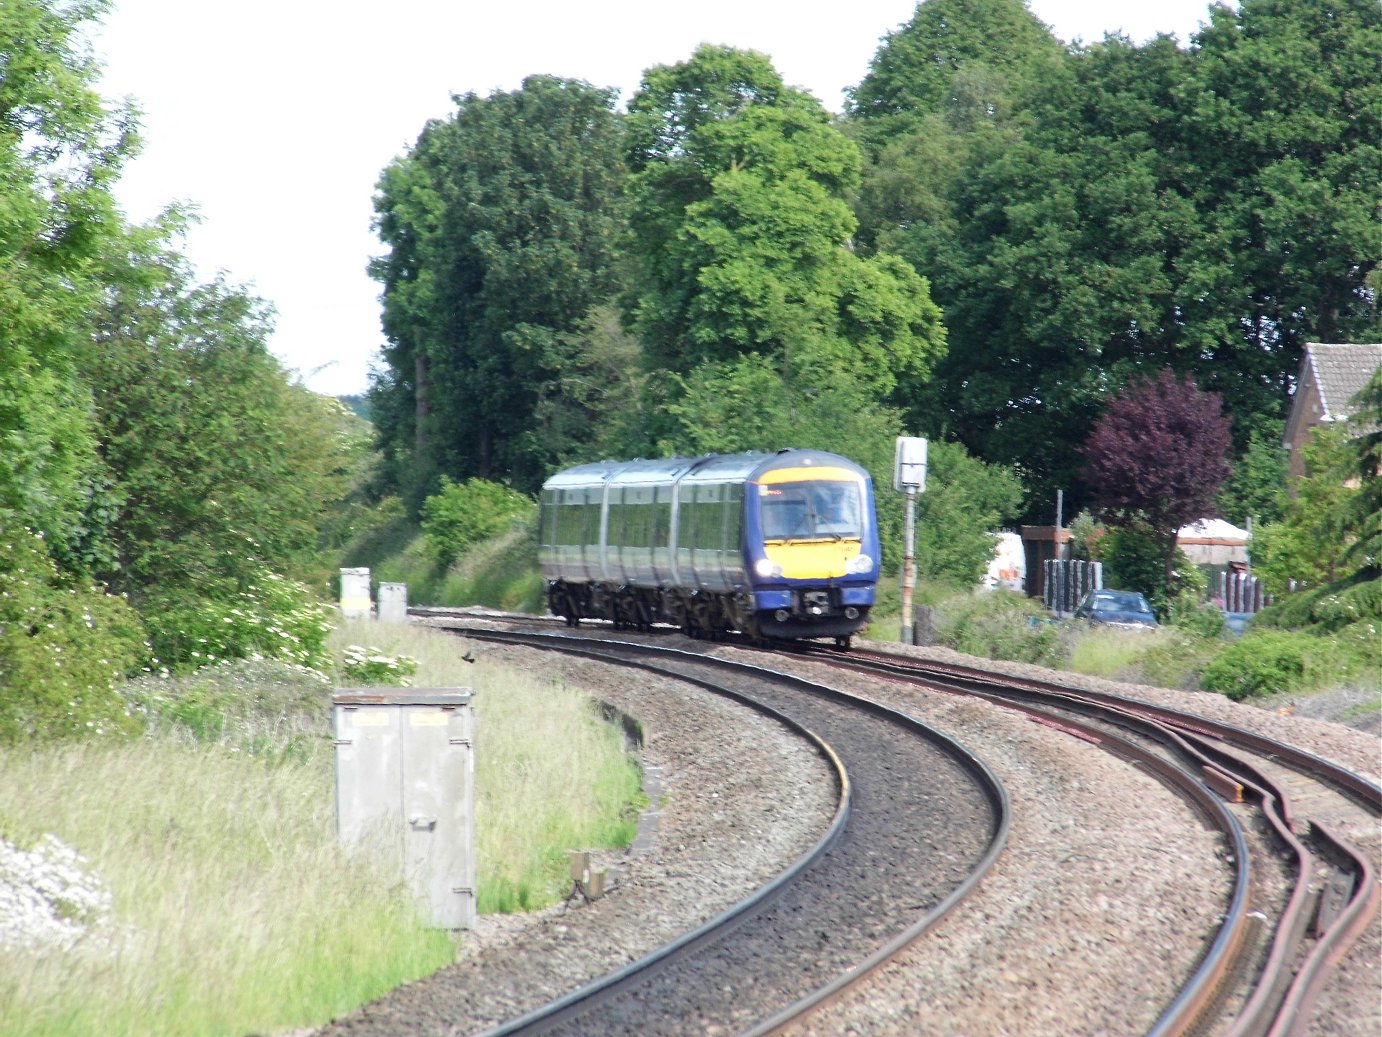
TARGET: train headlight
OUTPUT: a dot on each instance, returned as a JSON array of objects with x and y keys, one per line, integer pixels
[
  {"x": 860, "y": 564},
  {"x": 767, "y": 568}
]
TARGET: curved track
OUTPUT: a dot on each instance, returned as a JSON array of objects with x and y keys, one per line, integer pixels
[
  {"x": 1301, "y": 893},
  {"x": 1273, "y": 954},
  {"x": 923, "y": 823}
]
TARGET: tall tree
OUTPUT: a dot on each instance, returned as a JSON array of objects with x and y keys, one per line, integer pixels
[
  {"x": 1157, "y": 457},
  {"x": 222, "y": 472},
  {"x": 61, "y": 151},
  {"x": 1282, "y": 123},
  {"x": 1208, "y": 209},
  {"x": 742, "y": 231},
  {"x": 502, "y": 229},
  {"x": 963, "y": 60}
]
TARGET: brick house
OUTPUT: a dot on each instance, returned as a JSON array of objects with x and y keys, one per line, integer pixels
[{"x": 1331, "y": 375}]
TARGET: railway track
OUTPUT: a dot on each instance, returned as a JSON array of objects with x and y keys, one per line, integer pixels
[
  {"x": 844, "y": 908},
  {"x": 1273, "y": 955},
  {"x": 1284, "y": 925}
]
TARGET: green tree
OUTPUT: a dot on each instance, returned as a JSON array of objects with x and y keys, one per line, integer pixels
[
  {"x": 1282, "y": 122},
  {"x": 1141, "y": 207},
  {"x": 1366, "y": 507},
  {"x": 593, "y": 402},
  {"x": 61, "y": 152},
  {"x": 966, "y": 500},
  {"x": 1316, "y": 541},
  {"x": 741, "y": 233},
  {"x": 963, "y": 60},
  {"x": 1256, "y": 491},
  {"x": 502, "y": 227},
  {"x": 223, "y": 472},
  {"x": 1059, "y": 282}
]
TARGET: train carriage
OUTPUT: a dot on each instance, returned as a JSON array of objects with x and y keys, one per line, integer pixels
[{"x": 778, "y": 545}]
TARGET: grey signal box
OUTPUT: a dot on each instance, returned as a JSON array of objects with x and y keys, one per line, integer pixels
[
  {"x": 405, "y": 776},
  {"x": 909, "y": 465}
]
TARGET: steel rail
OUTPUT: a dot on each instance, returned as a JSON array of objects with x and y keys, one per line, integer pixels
[
  {"x": 1291, "y": 1008},
  {"x": 1357, "y": 786},
  {"x": 541, "y": 1020},
  {"x": 1197, "y": 999},
  {"x": 1268, "y": 1011},
  {"x": 545, "y": 1017},
  {"x": 1330, "y": 948}
]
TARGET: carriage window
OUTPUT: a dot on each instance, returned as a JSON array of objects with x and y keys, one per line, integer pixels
[
  {"x": 570, "y": 517},
  {"x": 662, "y": 517},
  {"x": 709, "y": 521},
  {"x": 734, "y": 517},
  {"x": 547, "y": 515}
]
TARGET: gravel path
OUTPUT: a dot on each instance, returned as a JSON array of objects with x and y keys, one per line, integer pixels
[{"x": 1088, "y": 924}]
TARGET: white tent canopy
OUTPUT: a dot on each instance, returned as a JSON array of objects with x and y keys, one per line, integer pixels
[{"x": 1218, "y": 530}]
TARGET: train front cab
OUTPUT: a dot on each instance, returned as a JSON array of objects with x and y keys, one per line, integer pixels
[{"x": 812, "y": 545}]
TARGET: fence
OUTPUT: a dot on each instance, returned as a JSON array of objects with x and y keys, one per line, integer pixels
[
  {"x": 1240, "y": 592},
  {"x": 1069, "y": 580}
]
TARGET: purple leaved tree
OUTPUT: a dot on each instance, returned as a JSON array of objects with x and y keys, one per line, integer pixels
[{"x": 1157, "y": 458}]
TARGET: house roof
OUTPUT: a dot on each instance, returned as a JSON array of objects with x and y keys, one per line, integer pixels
[
  {"x": 1342, "y": 371},
  {"x": 1331, "y": 375}
]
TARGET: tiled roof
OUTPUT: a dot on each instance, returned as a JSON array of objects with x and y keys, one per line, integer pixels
[{"x": 1341, "y": 373}]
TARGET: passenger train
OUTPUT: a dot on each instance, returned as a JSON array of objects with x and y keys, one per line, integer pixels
[{"x": 777, "y": 546}]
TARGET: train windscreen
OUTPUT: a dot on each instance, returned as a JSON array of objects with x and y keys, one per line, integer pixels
[{"x": 812, "y": 510}]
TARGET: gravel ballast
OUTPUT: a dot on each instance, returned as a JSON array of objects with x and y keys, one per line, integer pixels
[{"x": 1089, "y": 923}]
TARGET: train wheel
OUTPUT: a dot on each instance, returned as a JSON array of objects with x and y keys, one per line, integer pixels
[{"x": 842, "y": 643}]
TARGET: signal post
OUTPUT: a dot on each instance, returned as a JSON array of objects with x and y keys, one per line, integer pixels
[{"x": 909, "y": 476}]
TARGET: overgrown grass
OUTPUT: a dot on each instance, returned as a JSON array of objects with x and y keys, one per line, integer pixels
[
  {"x": 1187, "y": 656},
  {"x": 549, "y": 775},
  {"x": 1107, "y": 653},
  {"x": 500, "y": 573},
  {"x": 234, "y": 908}
]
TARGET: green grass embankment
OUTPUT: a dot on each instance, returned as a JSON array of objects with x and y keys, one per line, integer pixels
[{"x": 233, "y": 908}]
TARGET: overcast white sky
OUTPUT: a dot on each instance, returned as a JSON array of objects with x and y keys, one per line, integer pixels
[{"x": 275, "y": 117}]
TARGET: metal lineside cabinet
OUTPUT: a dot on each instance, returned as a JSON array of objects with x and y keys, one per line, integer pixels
[{"x": 405, "y": 776}]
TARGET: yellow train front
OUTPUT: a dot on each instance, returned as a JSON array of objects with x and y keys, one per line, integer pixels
[{"x": 778, "y": 545}]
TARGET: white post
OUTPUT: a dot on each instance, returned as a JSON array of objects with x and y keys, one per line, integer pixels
[
  {"x": 909, "y": 476},
  {"x": 355, "y": 596},
  {"x": 393, "y": 603},
  {"x": 909, "y": 569}
]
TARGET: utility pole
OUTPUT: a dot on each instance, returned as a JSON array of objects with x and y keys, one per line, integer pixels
[
  {"x": 909, "y": 570},
  {"x": 909, "y": 476}
]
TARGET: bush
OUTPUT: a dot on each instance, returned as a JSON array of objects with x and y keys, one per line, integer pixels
[
  {"x": 373, "y": 666},
  {"x": 64, "y": 648},
  {"x": 1271, "y": 662},
  {"x": 462, "y": 514},
  {"x": 1189, "y": 613},
  {"x": 272, "y": 618},
  {"x": 1000, "y": 625}
]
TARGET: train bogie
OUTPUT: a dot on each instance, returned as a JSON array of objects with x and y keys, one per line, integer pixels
[{"x": 775, "y": 545}]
